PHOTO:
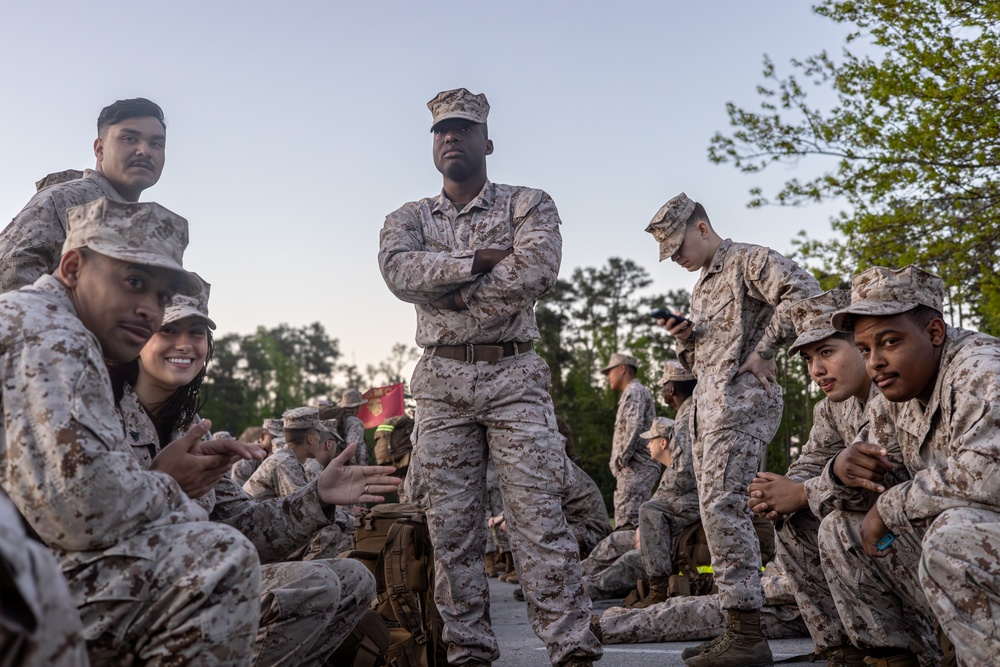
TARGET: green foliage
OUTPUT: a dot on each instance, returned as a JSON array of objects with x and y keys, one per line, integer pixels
[{"x": 912, "y": 139}]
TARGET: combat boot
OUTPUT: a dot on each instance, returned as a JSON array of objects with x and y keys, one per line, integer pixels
[
  {"x": 897, "y": 659},
  {"x": 490, "y": 563},
  {"x": 659, "y": 591},
  {"x": 846, "y": 656},
  {"x": 595, "y": 628},
  {"x": 742, "y": 644}
]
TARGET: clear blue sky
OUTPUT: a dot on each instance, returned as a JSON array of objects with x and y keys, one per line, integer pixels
[{"x": 295, "y": 127}]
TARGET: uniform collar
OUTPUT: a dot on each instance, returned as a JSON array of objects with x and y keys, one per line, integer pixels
[
  {"x": 483, "y": 200},
  {"x": 103, "y": 183},
  {"x": 719, "y": 259}
]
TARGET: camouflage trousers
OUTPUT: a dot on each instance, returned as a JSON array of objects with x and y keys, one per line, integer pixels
[
  {"x": 607, "y": 551},
  {"x": 960, "y": 576},
  {"x": 307, "y": 608},
  {"x": 39, "y": 624},
  {"x": 633, "y": 486},
  {"x": 701, "y": 617},
  {"x": 879, "y": 599},
  {"x": 797, "y": 549},
  {"x": 499, "y": 539},
  {"x": 467, "y": 412},
  {"x": 725, "y": 462},
  {"x": 617, "y": 579},
  {"x": 180, "y": 594},
  {"x": 660, "y": 521}
]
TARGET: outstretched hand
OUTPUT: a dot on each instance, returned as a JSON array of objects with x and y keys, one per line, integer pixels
[
  {"x": 342, "y": 484},
  {"x": 864, "y": 465},
  {"x": 198, "y": 464},
  {"x": 765, "y": 370}
]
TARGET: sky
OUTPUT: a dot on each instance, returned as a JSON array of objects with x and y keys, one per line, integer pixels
[{"x": 293, "y": 128}]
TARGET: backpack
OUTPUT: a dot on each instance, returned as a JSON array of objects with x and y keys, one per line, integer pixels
[
  {"x": 392, "y": 441},
  {"x": 392, "y": 540},
  {"x": 693, "y": 561}
]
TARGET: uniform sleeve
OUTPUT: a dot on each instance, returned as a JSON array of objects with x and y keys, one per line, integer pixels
[
  {"x": 31, "y": 245},
  {"x": 966, "y": 478},
  {"x": 823, "y": 444},
  {"x": 68, "y": 468},
  {"x": 629, "y": 424},
  {"x": 276, "y": 527},
  {"x": 411, "y": 270},
  {"x": 289, "y": 478},
  {"x": 530, "y": 271},
  {"x": 779, "y": 281},
  {"x": 261, "y": 484}
]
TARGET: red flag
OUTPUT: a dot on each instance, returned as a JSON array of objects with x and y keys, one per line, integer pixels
[{"x": 383, "y": 402}]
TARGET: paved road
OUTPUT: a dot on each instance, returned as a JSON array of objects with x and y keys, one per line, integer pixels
[{"x": 519, "y": 647}]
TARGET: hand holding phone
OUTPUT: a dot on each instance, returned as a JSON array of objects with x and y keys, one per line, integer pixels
[{"x": 671, "y": 318}]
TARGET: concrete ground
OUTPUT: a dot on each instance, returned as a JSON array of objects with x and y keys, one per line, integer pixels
[{"x": 519, "y": 647}]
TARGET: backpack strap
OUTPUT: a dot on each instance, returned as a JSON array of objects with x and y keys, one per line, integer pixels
[{"x": 405, "y": 604}]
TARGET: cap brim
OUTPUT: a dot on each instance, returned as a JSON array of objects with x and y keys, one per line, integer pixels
[
  {"x": 843, "y": 320},
  {"x": 188, "y": 283},
  {"x": 175, "y": 314},
  {"x": 808, "y": 338},
  {"x": 670, "y": 247},
  {"x": 456, "y": 114},
  {"x": 648, "y": 435},
  {"x": 353, "y": 405}
]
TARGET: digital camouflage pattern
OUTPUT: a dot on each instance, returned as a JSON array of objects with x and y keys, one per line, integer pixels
[
  {"x": 58, "y": 177},
  {"x": 39, "y": 623},
  {"x": 701, "y": 616},
  {"x": 739, "y": 305},
  {"x": 585, "y": 511},
  {"x": 634, "y": 469},
  {"x": 31, "y": 245},
  {"x": 279, "y": 475},
  {"x": 355, "y": 429},
  {"x": 617, "y": 579},
  {"x": 494, "y": 507},
  {"x": 242, "y": 470},
  {"x": 811, "y": 317},
  {"x": 124, "y": 537},
  {"x": 674, "y": 505},
  {"x": 608, "y": 550},
  {"x": 881, "y": 291},
  {"x": 468, "y": 412},
  {"x": 670, "y": 223},
  {"x": 459, "y": 103},
  {"x": 306, "y": 608}
]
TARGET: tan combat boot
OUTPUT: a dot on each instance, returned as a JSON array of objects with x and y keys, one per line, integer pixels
[
  {"x": 900, "y": 659},
  {"x": 490, "y": 563},
  {"x": 846, "y": 656},
  {"x": 659, "y": 591},
  {"x": 742, "y": 644}
]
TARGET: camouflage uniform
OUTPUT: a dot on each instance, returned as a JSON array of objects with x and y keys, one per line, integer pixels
[
  {"x": 945, "y": 519},
  {"x": 243, "y": 469},
  {"x": 618, "y": 578},
  {"x": 674, "y": 505},
  {"x": 468, "y": 411},
  {"x": 607, "y": 551},
  {"x": 494, "y": 507},
  {"x": 739, "y": 305},
  {"x": 635, "y": 472},
  {"x": 39, "y": 623},
  {"x": 700, "y": 616},
  {"x": 131, "y": 544},
  {"x": 585, "y": 511},
  {"x": 31, "y": 245},
  {"x": 355, "y": 429},
  {"x": 306, "y": 608}
]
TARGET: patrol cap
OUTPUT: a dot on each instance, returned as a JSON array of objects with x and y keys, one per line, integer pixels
[
  {"x": 58, "y": 177},
  {"x": 458, "y": 103},
  {"x": 619, "y": 359},
  {"x": 140, "y": 233},
  {"x": 352, "y": 398},
  {"x": 670, "y": 223},
  {"x": 883, "y": 292},
  {"x": 299, "y": 418},
  {"x": 673, "y": 371},
  {"x": 812, "y": 317},
  {"x": 662, "y": 427},
  {"x": 182, "y": 306},
  {"x": 222, "y": 435},
  {"x": 276, "y": 427},
  {"x": 329, "y": 427}
]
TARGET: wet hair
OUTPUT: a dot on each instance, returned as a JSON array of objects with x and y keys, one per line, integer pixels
[
  {"x": 923, "y": 315},
  {"x": 178, "y": 411},
  {"x": 298, "y": 436},
  {"x": 698, "y": 215},
  {"x": 125, "y": 109}
]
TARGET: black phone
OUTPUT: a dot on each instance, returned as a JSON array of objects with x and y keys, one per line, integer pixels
[{"x": 663, "y": 314}]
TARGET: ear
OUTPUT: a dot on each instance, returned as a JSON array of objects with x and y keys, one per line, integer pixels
[
  {"x": 69, "y": 268},
  {"x": 99, "y": 149},
  {"x": 489, "y": 147},
  {"x": 937, "y": 330},
  {"x": 703, "y": 229}
]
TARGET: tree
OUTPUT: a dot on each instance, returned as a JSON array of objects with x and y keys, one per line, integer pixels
[{"x": 913, "y": 143}]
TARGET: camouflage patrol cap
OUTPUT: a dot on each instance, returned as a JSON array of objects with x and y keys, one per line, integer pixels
[
  {"x": 138, "y": 233},
  {"x": 458, "y": 103},
  {"x": 812, "y": 317},
  {"x": 276, "y": 427},
  {"x": 329, "y": 427},
  {"x": 670, "y": 223},
  {"x": 58, "y": 177},
  {"x": 182, "y": 306},
  {"x": 352, "y": 398},
  {"x": 883, "y": 292},
  {"x": 673, "y": 371},
  {"x": 299, "y": 418},
  {"x": 619, "y": 359},
  {"x": 663, "y": 427},
  {"x": 222, "y": 435}
]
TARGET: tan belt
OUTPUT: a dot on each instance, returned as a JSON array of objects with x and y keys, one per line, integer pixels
[{"x": 473, "y": 353}]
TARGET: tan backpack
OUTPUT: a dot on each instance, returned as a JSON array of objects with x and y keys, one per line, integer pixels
[
  {"x": 693, "y": 561},
  {"x": 392, "y": 441},
  {"x": 393, "y": 541}
]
